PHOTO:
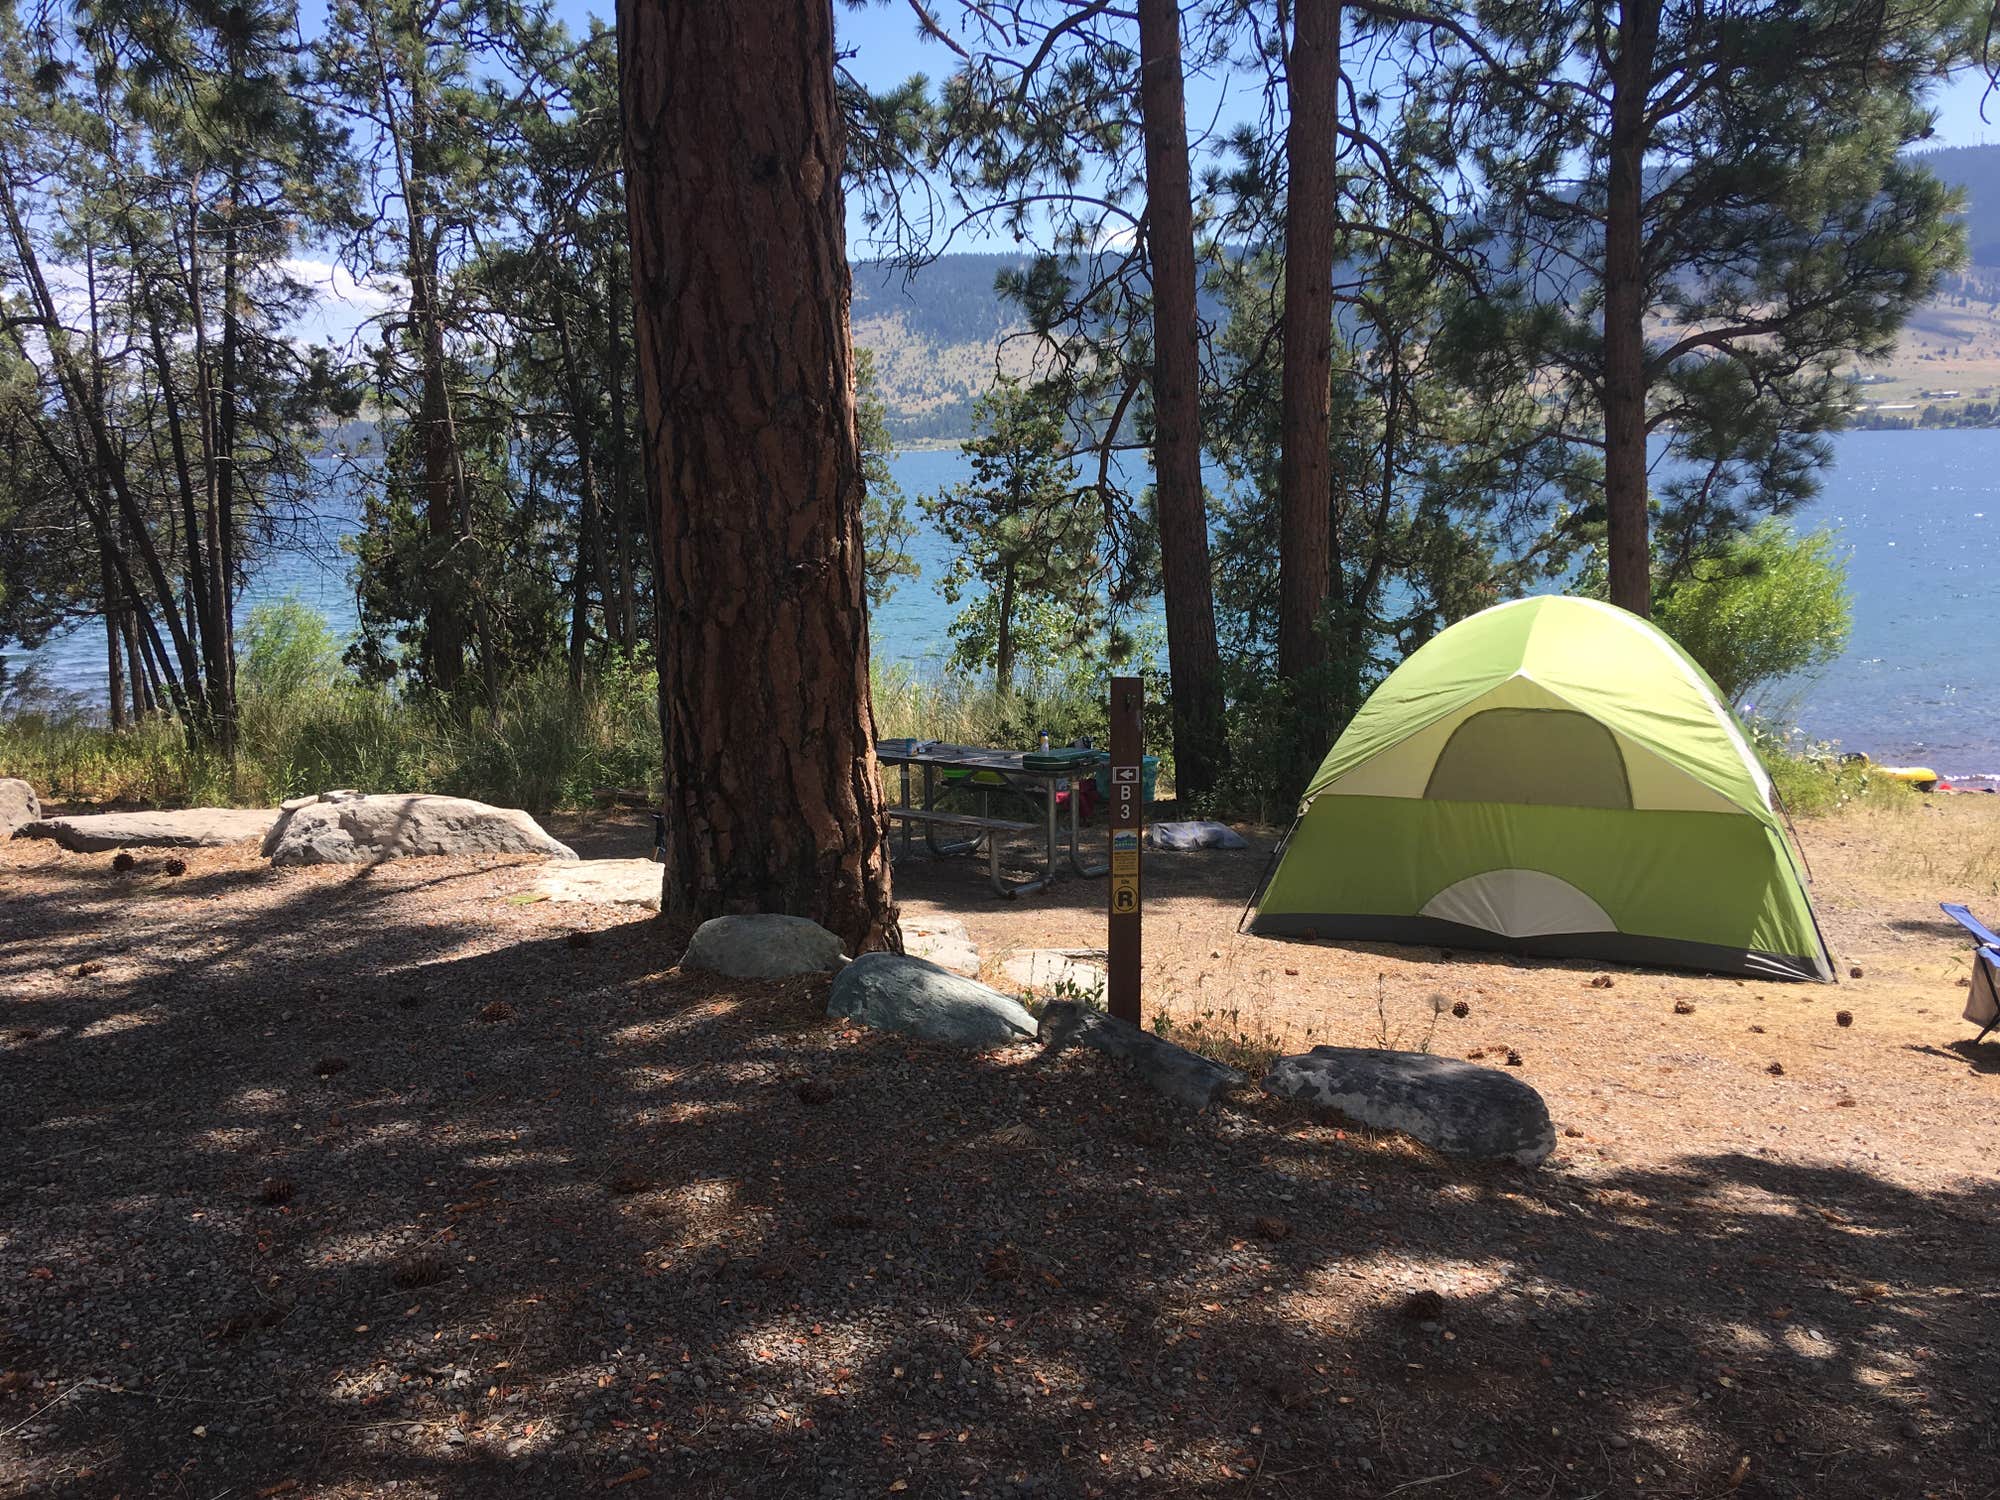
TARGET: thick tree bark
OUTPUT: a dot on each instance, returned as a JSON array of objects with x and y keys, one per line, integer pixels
[
  {"x": 746, "y": 386},
  {"x": 1305, "y": 469},
  {"x": 1200, "y": 746},
  {"x": 1627, "y": 544}
]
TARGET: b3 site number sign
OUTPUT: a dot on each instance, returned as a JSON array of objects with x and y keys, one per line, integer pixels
[{"x": 1128, "y": 826}]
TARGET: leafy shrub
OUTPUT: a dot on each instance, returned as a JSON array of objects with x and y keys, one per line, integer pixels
[
  {"x": 1262, "y": 727},
  {"x": 1815, "y": 780},
  {"x": 284, "y": 649},
  {"x": 1772, "y": 605}
]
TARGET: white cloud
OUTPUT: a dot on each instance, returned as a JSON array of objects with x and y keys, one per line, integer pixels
[{"x": 333, "y": 283}]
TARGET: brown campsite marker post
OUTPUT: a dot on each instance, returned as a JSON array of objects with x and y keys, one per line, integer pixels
[{"x": 1128, "y": 823}]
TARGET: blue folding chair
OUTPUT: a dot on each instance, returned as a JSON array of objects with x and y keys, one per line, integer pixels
[{"x": 1983, "y": 1006}]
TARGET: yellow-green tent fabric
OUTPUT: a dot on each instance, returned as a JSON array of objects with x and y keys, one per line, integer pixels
[{"x": 1552, "y": 777}]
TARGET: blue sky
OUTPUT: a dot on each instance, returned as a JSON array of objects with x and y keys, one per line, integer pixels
[{"x": 887, "y": 46}]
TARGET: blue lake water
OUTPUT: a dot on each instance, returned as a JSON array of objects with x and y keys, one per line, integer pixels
[{"x": 1918, "y": 514}]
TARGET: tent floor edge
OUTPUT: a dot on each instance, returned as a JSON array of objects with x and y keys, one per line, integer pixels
[{"x": 1637, "y": 949}]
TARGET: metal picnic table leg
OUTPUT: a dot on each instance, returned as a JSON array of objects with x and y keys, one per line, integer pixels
[
  {"x": 1049, "y": 858},
  {"x": 905, "y": 769},
  {"x": 1089, "y": 872},
  {"x": 965, "y": 846},
  {"x": 1048, "y": 875}
]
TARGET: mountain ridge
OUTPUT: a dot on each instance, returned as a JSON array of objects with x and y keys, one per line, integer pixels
[{"x": 939, "y": 330}]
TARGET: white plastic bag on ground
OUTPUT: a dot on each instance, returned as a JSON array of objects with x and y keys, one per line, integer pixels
[{"x": 1194, "y": 836}]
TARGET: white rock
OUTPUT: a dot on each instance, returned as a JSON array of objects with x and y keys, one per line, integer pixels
[
  {"x": 1051, "y": 971},
  {"x": 362, "y": 830},
  {"x": 767, "y": 945},
  {"x": 18, "y": 805},
  {"x": 181, "y": 828},
  {"x": 943, "y": 941},
  {"x": 607, "y": 882}
]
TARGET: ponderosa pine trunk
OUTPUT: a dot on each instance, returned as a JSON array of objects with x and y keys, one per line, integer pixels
[
  {"x": 1628, "y": 545},
  {"x": 222, "y": 688},
  {"x": 444, "y": 624},
  {"x": 589, "y": 539},
  {"x": 1200, "y": 746},
  {"x": 1003, "y": 658},
  {"x": 114, "y": 643},
  {"x": 1306, "y": 527},
  {"x": 740, "y": 295},
  {"x": 621, "y": 511},
  {"x": 200, "y": 603}
]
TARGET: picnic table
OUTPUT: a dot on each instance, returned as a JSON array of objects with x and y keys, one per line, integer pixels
[{"x": 1032, "y": 773}]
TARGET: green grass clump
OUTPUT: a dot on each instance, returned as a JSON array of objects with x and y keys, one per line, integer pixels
[
  {"x": 546, "y": 750},
  {"x": 1813, "y": 781}
]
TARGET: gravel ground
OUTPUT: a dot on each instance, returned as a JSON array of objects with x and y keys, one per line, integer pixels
[{"x": 356, "y": 1182}]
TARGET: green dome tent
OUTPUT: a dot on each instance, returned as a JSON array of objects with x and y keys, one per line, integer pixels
[{"x": 1551, "y": 777}]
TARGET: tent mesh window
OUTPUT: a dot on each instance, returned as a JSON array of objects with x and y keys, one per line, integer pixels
[{"x": 1548, "y": 757}]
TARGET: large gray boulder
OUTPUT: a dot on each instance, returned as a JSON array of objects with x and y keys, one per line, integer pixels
[
  {"x": 1458, "y": 1107},
  {"x": 183, "y": 828},
  {"x": 766, "y": 945},
  {"x": 894, "y": 992},
  {"x": 18, "y": 805},
  {"x": 1183, "y": 1076},
  {"x": 354, "y": 830}
]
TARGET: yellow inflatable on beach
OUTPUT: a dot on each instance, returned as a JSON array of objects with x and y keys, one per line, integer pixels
[{"x": 1921, "y": 777}]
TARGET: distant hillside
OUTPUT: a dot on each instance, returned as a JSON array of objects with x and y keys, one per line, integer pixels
[
  {"x": 1977, "y": 170},
  {"x": 937, "y": 331},
  {"x": 949, "y": 301}
]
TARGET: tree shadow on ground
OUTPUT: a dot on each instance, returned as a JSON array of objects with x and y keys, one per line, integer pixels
[{"x": 566, "y": 1214}]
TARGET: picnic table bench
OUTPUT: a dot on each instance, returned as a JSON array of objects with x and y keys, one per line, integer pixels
[{"x": 989, "y": 770}]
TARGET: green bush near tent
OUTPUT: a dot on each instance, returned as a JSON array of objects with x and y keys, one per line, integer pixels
[{"x": 1773, "y": 605}]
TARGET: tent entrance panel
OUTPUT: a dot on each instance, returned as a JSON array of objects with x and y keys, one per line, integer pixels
[
  {"x": 1518, "y": 903},
  {"x": 1532, "y": 756}
]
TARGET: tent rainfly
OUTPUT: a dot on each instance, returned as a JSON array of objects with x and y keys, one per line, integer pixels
[{"x": 1552, "y": 777}]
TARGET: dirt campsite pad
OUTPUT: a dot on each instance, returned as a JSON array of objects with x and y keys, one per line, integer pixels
[{"x": 338, "y": 1181}]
